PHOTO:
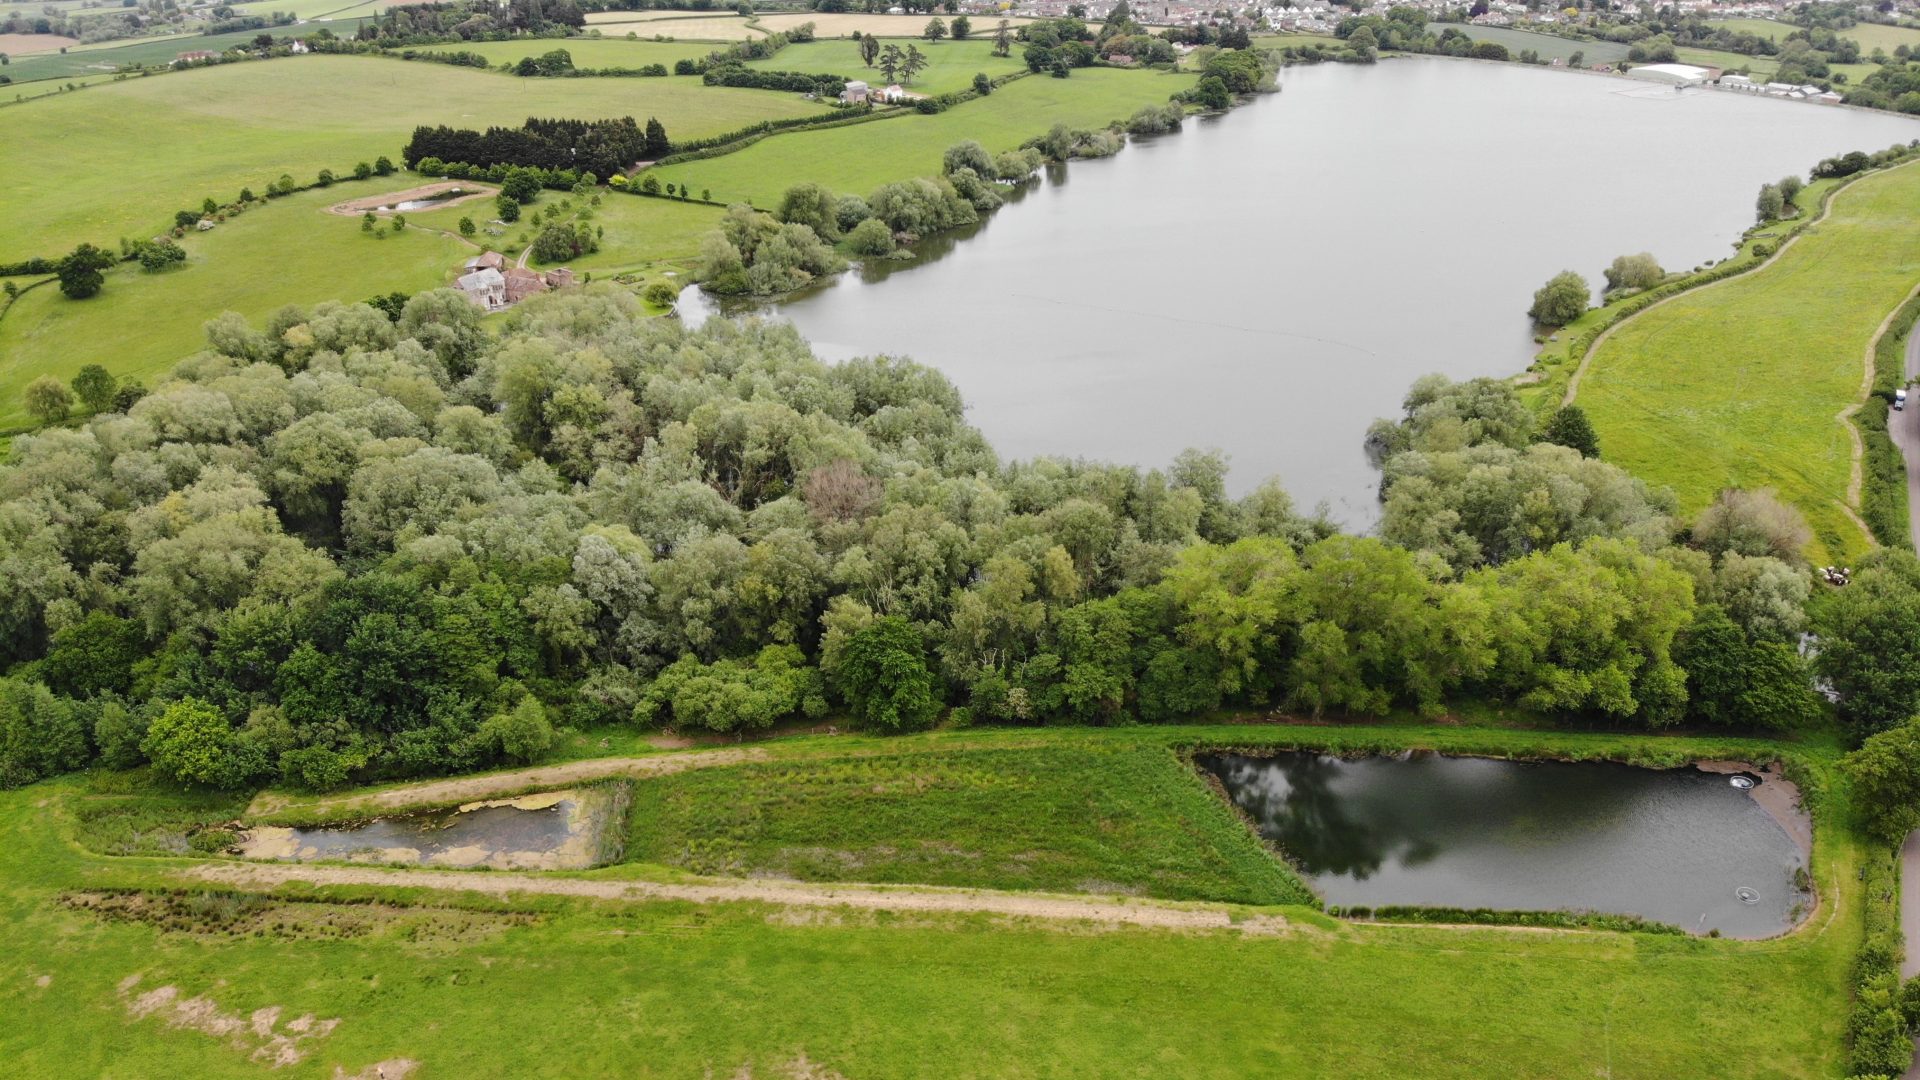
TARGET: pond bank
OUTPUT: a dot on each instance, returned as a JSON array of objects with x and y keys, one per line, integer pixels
[{"x": 554, "y": 830}]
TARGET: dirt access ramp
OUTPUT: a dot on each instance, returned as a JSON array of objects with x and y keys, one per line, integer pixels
[
  {"x": 469, "y": 189},
  {"x": 1098, "y": 911},
  {"x": 465, "y": 789}
]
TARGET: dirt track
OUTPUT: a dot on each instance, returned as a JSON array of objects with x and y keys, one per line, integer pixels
[
  {"x": 356, "y": 207},
  {"x": 491, "y": 785},
  {"x": 792, "y": 894}
]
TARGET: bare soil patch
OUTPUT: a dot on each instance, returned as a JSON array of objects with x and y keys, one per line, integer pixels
[
  {"x": 28, "y": 44},
  {"x": 1777, "y": 795},
  {"x": 260, "y": 1035},
  {"x": 356, "y": 207}
]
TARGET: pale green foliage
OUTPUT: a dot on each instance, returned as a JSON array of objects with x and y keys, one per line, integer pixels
[
  {"x": 521, "y": 734},
  {"x": 1561, "y": 300},
  {"x": 734, "y": 695},
  {"x": 189, "y": 742},
  {"x": 1640, "y": 271}
]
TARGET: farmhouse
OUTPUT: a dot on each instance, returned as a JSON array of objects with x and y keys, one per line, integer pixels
[
  {"x": 486, "y": 288},
  {"x": 195, "y": 56},
  {"x": 855, "y": 93},
  {"x": 493, "y": 287}
]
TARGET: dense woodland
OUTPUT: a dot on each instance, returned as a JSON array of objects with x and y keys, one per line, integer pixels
[{"x": 342, "y": 546}]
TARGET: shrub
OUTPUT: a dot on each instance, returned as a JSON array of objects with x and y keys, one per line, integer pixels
[
  {"x": 1561, "y": 300},
  {"x": 871, "y": 238},
  {"x": 883, "y": 675}
]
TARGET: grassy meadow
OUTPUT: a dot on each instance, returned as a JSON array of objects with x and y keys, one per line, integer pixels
[
  {"x": 1099, "y": 817},
  {"x": 951, "y": 65},
  {"x": 1549, "y": 46},
  {"x": 669, "y": 989},
  {"x": 1739, "y": 384},
  {"x": 288, "y": 252},
  {"x": 607, "y": 52},
  {"x": 108, "y": 57},
  {"x": 860, "y": 157},
  {"x": 65, "y": 177}
]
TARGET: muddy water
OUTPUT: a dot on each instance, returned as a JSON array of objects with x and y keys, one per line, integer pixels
[
  {"x": 1690, "y": 847},
  {"x": 558, "y": 830}
]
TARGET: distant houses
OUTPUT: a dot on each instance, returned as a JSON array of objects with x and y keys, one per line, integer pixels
[
  {"x": 858, "y": 92},
  {"x": 1790, "y": 91}
]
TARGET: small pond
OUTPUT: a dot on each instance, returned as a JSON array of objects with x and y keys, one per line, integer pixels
[
  {"x": 1703, "y": 850},
  {"x": 556, "y": 830},
  {"x": 425, "y": 203}
]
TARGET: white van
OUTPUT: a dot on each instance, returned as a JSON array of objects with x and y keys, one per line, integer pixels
[{"x": 1900, "y": 400}]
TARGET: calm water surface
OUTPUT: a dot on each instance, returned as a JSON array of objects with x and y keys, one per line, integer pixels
[
  {"x": 1676, "y": 846},
  {"x": 1268, "y": 282}
]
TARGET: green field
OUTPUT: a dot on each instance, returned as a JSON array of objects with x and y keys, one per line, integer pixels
[
  {"x": 609, "y": 52},
  {"x": 1873, "y": 36},
  {"x": 861, "y": 157},
  {"x": 1019, "y": 821},
  {"x": 951, "y": 64},
  {"x": 673, "y": 989},
  {"x": 288, "y": 252},
  {"x": 1738, "y": 384},
  {"x": 1766, "y": 28},
  {"x": 1549, "y": 46},
  {"x": 108, "y": 57},
  {"x": 639, "y": 231},
  {"x": 210, "y": 132}
]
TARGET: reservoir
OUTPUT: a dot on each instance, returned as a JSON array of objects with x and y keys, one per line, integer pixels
[
  {"x": 1269, "y": 281},
  {"x": 1702, "y": 850}
]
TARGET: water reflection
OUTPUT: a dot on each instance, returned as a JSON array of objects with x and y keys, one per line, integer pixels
[
  {"x": 1676, "y": 846},
  {"x": 1271, "y": 280}
]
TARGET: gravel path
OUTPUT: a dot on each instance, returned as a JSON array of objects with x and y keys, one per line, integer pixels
[
  {"x": 493, "y": 785},
  {"x": 1094, "y": 910}
]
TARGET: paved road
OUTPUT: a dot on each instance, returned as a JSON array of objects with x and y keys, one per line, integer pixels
[{"x": 1905, "y": 429}]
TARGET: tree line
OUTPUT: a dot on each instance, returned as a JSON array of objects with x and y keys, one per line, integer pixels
[
  {"x": 601, "y": 147},
  {"x": 341, "y": 546}
]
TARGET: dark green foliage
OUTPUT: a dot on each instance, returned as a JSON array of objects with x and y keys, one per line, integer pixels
[
  {"x": 1886, "y": 780},
  {"x": 95, "y": 655},
  {"x": 40, "y": 734},
  {"x": 883, "y": 675},
  {"x": 1867, "y": 636},
  {"x": 1738, "y": 682},
  {"x": 1569, "y": 427},
  {"x": 79, "y": 272}
]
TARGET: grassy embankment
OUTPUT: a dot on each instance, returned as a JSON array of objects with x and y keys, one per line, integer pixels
[
  {"x": 861, "y": 157},
  {"x": 951, "y": 65},
  {"x": 66, "y": 176},
  {"x": 292, "y": 251},
  {"x": 1740, "y": 384},
  {"x": 672, "y": 989}
]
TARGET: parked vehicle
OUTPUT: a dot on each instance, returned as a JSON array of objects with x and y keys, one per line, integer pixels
[{"x": 1900, "y": 400}]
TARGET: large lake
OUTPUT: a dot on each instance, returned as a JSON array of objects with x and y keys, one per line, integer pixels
[
  {"x": 1700, "y": 850},
  {"x": 1270, "y": 281}
]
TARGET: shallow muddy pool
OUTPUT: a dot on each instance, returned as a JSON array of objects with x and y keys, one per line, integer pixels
[
  {"x": 556, "y": 830},
  {"x": 1703, "y": 850}
]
